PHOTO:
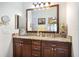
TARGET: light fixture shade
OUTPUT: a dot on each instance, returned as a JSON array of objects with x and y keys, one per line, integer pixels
[
  {"x": 46, "y": 4},
  {"x": 41, "y": 5},
  {"x": 34, "y": 3}
]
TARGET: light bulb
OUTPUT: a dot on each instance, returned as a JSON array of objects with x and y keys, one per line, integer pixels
[{"x": 46, "y": 4}]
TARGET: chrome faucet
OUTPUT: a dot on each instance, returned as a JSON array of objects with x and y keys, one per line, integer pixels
[{"x": 38, "y": 33}]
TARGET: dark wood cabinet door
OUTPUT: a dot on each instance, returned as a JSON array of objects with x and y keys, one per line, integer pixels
[
  {"x": 46, "y": 51},
  {"x": 56, "y": 49},
  {"x": 36, "y": 48},
  {"x": 61, "y": 52},
  {"x": 17, "y": 50},
  {"x": 26, "y": 48},
  {"x": 21, "y": 47},
  {"x": 62, "y": 49}
]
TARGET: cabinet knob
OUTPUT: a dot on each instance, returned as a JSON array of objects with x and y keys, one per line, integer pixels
[{"x": 52, "y": 49}]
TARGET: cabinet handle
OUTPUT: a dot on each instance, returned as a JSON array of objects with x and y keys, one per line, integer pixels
[
  {"x": 53, "y": 45},
  {"x": 55, "y": 49},
  {"x": 17, "y": 44},
  {"x": 20, "y": 44},
  {"x": 52, "y": 49},
  {"x": 34, "y": 55},
  {"x": 36, "y": 48}
]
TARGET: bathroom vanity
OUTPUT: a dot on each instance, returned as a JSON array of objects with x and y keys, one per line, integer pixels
[
  {"x": 42, "y": 22},
  {"x": 34, "y": 46}
]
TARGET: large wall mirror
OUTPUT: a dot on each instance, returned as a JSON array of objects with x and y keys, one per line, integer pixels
[{"x": 43, "y": 20}]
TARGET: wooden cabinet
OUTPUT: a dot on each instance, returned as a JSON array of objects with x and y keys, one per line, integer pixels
[
  {"x": 56, "y": 49},
  {"x": 36, "y": 48},
  {"x": 26, "y": 48},
  {"x": 21, "y": 47},
  {"x": 40, "y": 48},
  {"x": 62, "y": 49},
  {"x": 17, "y": 48},
  {"x": 46, "y": 49}
]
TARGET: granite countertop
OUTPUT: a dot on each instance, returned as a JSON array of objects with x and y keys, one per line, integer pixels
[{"x": 61, "y": 39}]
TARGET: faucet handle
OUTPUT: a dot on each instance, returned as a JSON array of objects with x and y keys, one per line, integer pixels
[{"x": 37, "y": 33}]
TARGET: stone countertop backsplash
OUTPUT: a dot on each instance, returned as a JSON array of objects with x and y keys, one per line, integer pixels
[{"x": 52, "y": 38}]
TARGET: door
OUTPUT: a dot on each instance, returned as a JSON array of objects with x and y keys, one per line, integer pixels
[
  {"x": 17, "y": 49},
  {"x": 61, "y": 52},
  {"x": 36, "y": 48},
  {"x": 26, "y": 48},
  {"x": 46, "y": 51},
  {"x": 62, "y": 49}
]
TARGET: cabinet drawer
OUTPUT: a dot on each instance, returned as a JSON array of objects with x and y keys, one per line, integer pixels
[
  {"x": 36, "y": 53},
  {"x": 36, "y": 47},
  {"x": 61, "y": 43},
  {"x": 25, "y": 41},
  {"x": 46, "y": 43},
  {"x": 56, "y": 43},
  {"x": 36, "y": 42}
]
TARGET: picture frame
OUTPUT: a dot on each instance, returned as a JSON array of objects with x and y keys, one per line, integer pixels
[{"x": 41, "y": 20}]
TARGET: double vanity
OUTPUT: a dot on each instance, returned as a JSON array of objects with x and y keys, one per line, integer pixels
[
  {"x": 36, "y": 46},
  {"x": 45, "y": 45}
]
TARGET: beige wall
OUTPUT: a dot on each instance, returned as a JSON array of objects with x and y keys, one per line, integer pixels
[
  {"x": 9, "y": 9},
  {"x": 73, "y": 26}
]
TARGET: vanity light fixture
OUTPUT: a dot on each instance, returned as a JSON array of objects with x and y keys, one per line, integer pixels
[{"x": 41, "y": 4}]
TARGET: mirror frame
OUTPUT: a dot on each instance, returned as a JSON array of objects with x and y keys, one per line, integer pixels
[{"x": 57, "y": 5}]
